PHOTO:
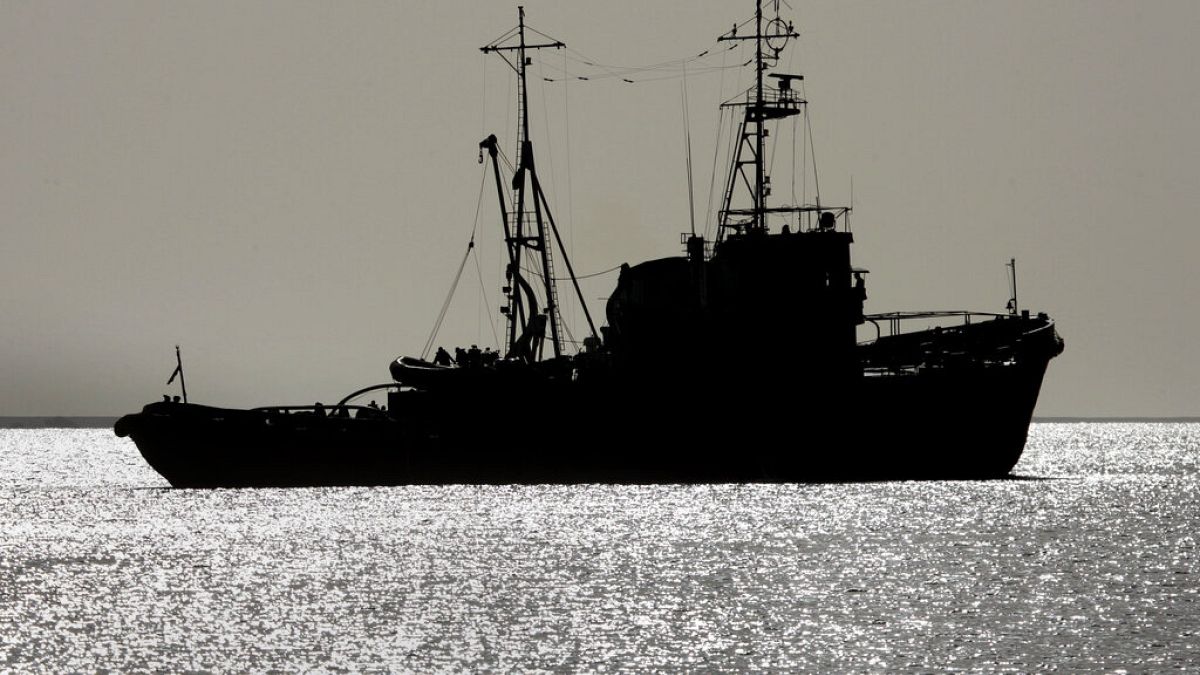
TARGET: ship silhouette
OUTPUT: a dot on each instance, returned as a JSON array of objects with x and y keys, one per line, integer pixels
[{"x": 951, "y": 399}]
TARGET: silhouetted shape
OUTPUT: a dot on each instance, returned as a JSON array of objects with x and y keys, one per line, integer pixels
[
  {"x": 178, "y": 372},
  {"x": 738, "y": 361},
  {"x": 442, "y": 358}
]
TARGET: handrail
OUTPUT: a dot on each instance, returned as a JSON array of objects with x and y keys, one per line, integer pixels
[
  {"x": 770, "y": 96},
  {"x": 340, "y": 411},
  {"x": 929, "y": 314},
  {"x": 286, "y": 408},
  {"x": 895, "y": 318},
  {"x": 340, "y": 404}
]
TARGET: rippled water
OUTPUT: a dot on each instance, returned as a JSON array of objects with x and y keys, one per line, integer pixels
[{"x": 1087, "y": 562}]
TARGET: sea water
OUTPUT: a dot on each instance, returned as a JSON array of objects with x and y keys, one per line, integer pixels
[{"x": 1086, "y": 561}]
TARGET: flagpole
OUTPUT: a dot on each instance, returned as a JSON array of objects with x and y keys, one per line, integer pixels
[{"x": 179, "y": 367}]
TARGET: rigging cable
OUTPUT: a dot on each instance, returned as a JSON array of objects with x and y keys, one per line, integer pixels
[
  {"x": 624, "y": 72},
  {"x": 794, "y": 171},
  {"x": 437, "y": 325},
  {"x": 736, "y": 129},
  {"x": 570, "y": 337},
  {"x": 804, "y": 160},
  {"x": 577, "y": 276},
  {"x": 712, "y": 181},
  {"x": 549, "y": 149},
  {"x": 687, "y": 137},
  {"x": 812, "y": 149},
  {"x": 596, "y": 274},
  {"x": 620, "y": 71},
  {"x": 570, "y": 191},
  {"x": 791, "y": 69},
  {"x": 774, "y": 154},
  {"x": 483, "y": 293},
  {"x": 552, "y": 180},
  {"x": 564, "y": 75},
  {"x": 483, "y": 115}
]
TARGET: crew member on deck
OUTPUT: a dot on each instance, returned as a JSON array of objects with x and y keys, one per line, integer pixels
[{"x": 442, "y": 358}]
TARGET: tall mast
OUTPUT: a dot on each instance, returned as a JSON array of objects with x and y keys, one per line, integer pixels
[
  {"x": 1013, "y": 307},
  {"x": 523, "y": 104},
  {"x": 517, "y": 289},
  {"x": 759, "y": 197},
  {"x": 759, "y": 108}
]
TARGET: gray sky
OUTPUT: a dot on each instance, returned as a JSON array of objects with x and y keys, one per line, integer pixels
[{"x": 286, "y": 188}]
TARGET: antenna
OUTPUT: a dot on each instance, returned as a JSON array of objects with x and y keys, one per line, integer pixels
[
  {"x": 1013, "y": 307},
  {"x": 851, "y": 202}
]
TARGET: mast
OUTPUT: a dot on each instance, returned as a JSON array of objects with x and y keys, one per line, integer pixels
[
  {"x": 1013, "y": 307},
  {"x": 526, "y": 326},
  {"x": 759, "y": 197},
  {"x": 762, "y": 104}
]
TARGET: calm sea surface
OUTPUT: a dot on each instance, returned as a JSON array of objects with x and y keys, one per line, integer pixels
[{"x": 1088, "y": 562}]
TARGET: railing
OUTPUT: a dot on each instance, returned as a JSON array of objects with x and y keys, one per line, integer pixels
[
  {"x": 339, "y": 409},
  {"x": 997, "y": 339},
  {"x": 787, "y": 99},
  {"x": 803, "y": 213},
  {"x": 895, "y": 319},
  {"x": 318, "y": 410}
]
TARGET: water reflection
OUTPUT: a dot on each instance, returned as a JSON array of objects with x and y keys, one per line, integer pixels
[{"x": 1093, "y": 570}]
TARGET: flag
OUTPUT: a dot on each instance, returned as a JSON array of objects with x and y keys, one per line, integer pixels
[{"x": 178, "y": 370}]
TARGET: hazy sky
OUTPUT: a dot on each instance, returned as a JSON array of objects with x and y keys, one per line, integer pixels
[{"x": 286, "y": 188}]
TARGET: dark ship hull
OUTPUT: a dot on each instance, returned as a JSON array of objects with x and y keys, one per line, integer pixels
[
  {"x": 740, "y": 361},
  {"x": 932, "y": 421}
]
